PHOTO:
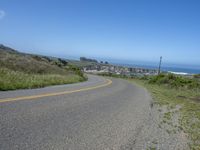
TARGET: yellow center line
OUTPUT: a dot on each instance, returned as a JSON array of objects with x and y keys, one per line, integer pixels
[{"x": 54, "y": 94}]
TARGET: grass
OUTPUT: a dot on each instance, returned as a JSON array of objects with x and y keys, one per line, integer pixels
[
  {"x": 20, "y": 71},
  {"x": 11, "y": 80},
  {"x": 178, "y": 91}
]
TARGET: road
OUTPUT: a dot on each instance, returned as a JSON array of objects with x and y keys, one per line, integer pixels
[{"x": 96, "y": 114}]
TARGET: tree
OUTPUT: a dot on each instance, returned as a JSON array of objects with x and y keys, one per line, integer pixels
[
  {"x": 88, "y": 60},
  {"x": 64, "y": 62}
]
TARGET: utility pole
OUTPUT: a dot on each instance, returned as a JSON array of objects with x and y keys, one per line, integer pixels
[{"x": 160, "y": 65}]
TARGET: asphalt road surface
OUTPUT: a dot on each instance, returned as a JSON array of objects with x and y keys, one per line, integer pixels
[{"x": 96, "y": 114}]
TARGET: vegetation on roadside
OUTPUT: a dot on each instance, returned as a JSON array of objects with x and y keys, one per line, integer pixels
[
  {"x": 176, "y": 91},
  {"x": 112, "y": 75},
  {"x": 197, "y": 76},
  {"x": 174, "y": 81},
  {"x": 20, "y": 70},
  {"x": 11, "y": 80}
]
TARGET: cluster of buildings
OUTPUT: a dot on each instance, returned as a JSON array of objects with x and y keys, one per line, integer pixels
[{"x": 119, "y": 70}]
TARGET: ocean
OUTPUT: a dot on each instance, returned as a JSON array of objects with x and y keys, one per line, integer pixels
[
  {"x": 176, "y": 69},
  {"x": 181, "y": 70}
]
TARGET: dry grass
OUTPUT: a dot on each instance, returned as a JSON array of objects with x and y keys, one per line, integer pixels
[
  {"x": 20, "y": 71},
  {"x": 11, "y": 80}
]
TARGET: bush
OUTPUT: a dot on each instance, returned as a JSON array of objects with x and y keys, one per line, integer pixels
[
  {"x": 76, "y": 70},
  {"x": 197, "y": 76},
  {"x": 174, "y": 81},
  {"x": 145, "y": 77}
]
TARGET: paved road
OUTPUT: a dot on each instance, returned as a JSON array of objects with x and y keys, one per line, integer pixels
[{"x": 106, "y": 116}]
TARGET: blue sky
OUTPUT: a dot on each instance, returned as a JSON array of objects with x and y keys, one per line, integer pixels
[{"x": 126, "y": 30}]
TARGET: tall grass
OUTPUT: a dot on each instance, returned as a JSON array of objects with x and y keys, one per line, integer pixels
[{"x": 11, "y": 80}]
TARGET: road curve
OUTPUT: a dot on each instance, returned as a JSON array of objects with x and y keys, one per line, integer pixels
[{"x": 103, "y": 116}]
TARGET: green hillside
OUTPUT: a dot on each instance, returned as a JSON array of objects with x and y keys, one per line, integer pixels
[{"x": 19, "y": 70}]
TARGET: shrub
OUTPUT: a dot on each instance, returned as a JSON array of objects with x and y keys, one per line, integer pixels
[
  {"x": 174, "y": 81},
  {"x": 145, "y": 77},
  {"x": 197, "y": 76},
  {"x": 76, "y": 70}
]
